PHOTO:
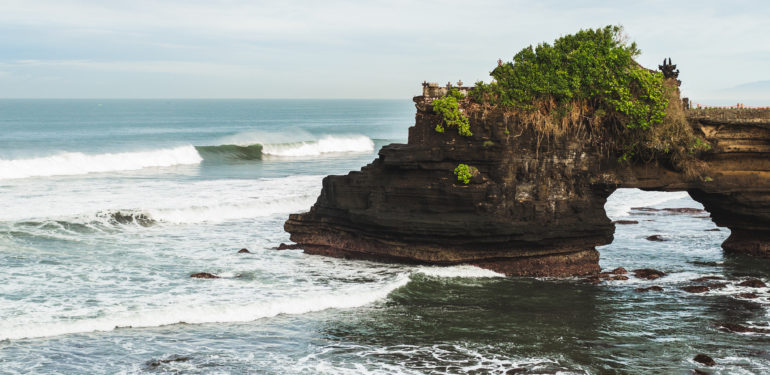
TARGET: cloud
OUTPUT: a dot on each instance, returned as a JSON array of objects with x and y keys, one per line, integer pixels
[{"x": 354, "y": 45}]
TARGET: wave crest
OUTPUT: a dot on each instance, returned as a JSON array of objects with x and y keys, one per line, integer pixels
[{"x": 77, "y": 163}]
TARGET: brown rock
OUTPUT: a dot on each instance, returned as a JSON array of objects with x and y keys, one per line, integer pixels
[
  {"x": 592, "y": 280},
  {"x": 695, "y": 289},
  {"x": 204, "y": 275},
  {"x": 707, "y": 278},
  {"x": 653, "y": 288},
  {"x": 173, "y": 358},
  {"x": 753, "y": 283},
  {"x": 684, "y": 210},
  {"x": 619, "y": 277},
  {"x": 716, "y": 285},
  {"x": 292, "y": 246},
  {"x": 619, "y": 271},
  {"x": 244, "y": 251},
  {"x": 648, "y": 273},
  {"x": 704, "y": 359},
  {"x": 625, "y": 222},
  {"x": 656, "y": 238},
  {"x": 747, "y": 295}
]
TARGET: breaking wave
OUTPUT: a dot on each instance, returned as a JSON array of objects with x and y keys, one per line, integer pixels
[
  {"x": 78, "y": 163},
  {"x": 198, "y": 314}
]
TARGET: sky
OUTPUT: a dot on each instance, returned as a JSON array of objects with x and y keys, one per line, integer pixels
[{"x": 353, "y": 49}]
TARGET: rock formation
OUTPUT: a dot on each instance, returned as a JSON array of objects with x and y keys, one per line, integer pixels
[{"x": 536, "y": 206}]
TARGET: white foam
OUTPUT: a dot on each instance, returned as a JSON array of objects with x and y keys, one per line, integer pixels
[
  {"x": 619, "y": 204},
  {"x": 458, "y": 271},
  {"x": 324, "y": 145},
  {"x": 77, "y": 163},
  {"x": 201, "y": 313}
]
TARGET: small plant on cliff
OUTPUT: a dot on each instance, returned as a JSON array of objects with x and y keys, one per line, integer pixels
[
  {"x": 464, "y": 173},
  {"x": 449, "y": 109}
]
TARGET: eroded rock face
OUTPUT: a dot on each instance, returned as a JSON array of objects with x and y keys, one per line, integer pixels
[{"x": 536, "y": 208}]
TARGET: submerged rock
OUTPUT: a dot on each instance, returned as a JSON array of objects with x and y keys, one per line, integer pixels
[
  {"x": 753, "y": 283},
  {"x": 625, "y": 222},
  {"x": 704, "y": 359},
  {"x": 656, "y": 238},
  {"x": 244, "y": 251},
  {"x": 653, "y": 288},
  {"x": 648, "y": 273},
  {"x": 173, "y": 358},
  {"x": 747, "y": 295},
  {"x": 707, "y": 278},
  {"x": 204, "y": 275},
  {"x": 695, "y": 289}
]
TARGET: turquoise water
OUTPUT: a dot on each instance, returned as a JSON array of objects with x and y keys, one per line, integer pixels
[{"x": 107, "y": 207}]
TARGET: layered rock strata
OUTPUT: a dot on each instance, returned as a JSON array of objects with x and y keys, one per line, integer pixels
[{"x": 536, "y": 207}]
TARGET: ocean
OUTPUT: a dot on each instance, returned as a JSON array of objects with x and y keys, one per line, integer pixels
[{"x": 108, "y": 206}]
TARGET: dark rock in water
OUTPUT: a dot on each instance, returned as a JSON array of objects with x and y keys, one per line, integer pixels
[
  {"x": 284, "y": 246},
  {"x": 173, "y": 358},
  {"x": 704, "y": 264},
  {"x": 657, "y": 238},
  {"x": 619, "y": 277},
  {"x": 695, "y": 289},
  {"x": 716, "y": 285},
  {"x": 707, "y": 278},
  {"x": 684, "y": 210},
  {"x": 699, "y": 372},
  {"x": 653, "y": 288},
  {"x": 704, "y": 359},
  {"x": 592, "y": 280},
  {"x": 645, "y": 209},
  {"x": 737, "y": 328},
  {"x": 648, "y": 273},
  {"x": 128, "y": 218},
  {"x": 619, "y": 271},
  {"x": 604, "y": 275},
  {"x": 625, "y": 222},
  {"x": 747, "y": 295},
  {"x": 753, "y": 283},
  {"x": 713, "y": 230},
  {"x": 244, "y": 251},
  {"x": 204, "y": 275}
]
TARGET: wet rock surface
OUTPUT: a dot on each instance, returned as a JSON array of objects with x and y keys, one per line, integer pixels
[
  {"x": 653, "y": 288},
  {"x": 695, "y": 289},
  {"x": 656, "y": 238},
  {"x": 244, "y": 251},
  {"x": 704, "y": 359},
  {"x": 204, "y": 275},
  {"x": 648, "y": 273},
  {"x": 753, "y": 283}
]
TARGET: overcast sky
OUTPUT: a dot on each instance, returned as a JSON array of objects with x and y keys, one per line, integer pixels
[{"x": 352, "y": 49}]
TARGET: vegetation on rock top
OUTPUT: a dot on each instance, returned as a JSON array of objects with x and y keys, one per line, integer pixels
[{"x": 588, "y": 84}]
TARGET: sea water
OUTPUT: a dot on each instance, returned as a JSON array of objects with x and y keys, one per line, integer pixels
[{"x": 108, "y": 206}]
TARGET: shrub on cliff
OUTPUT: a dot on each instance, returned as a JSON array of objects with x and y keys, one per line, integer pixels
[
  {"x": 464, "y": 173},
  {"x": 449, "y": 109},
  {"x": 589, "y": 83}
]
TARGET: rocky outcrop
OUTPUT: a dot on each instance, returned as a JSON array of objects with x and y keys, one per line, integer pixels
[{"x": 536, "y": 207}]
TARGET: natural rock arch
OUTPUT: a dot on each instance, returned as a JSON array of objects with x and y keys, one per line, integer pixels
[{"x": 536, "y": 206}]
